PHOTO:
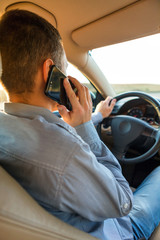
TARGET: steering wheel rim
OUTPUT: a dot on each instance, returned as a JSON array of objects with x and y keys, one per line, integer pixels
[{"x": 126, "y": 129}]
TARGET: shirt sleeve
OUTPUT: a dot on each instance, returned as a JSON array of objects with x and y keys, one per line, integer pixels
[
  {"x": 96, "y": 188},
  {"x": 97, "y": 118}
]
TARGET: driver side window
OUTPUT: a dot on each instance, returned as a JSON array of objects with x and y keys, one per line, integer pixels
[
  {"x": 74, "y": 72},
  {"x": 95, "y": 95}
]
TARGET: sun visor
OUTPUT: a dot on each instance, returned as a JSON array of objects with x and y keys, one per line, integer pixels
[
  {"x": 137, "y": 20},
  {"x": 32, "y": 7}
]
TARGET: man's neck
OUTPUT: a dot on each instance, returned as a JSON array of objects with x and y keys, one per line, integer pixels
[{"x": 35, "y": 100}]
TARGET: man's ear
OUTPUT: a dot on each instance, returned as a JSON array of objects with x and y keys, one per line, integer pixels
[{"x": 46, "y": 68}]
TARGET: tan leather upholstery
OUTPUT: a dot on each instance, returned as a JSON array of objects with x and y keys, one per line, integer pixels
[{"x": 22, "y": 218}]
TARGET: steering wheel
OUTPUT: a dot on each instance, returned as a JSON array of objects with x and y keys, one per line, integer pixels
[{"x": 126, "y": 129}]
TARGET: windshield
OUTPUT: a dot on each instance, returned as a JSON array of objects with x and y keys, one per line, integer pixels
[{"x": 132, "y": 66}]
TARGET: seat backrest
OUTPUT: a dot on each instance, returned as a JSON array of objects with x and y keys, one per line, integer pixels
[{"x": 22, "y": 218}]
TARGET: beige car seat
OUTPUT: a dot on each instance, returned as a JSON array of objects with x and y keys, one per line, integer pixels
[{"x": 22, "y": 218}]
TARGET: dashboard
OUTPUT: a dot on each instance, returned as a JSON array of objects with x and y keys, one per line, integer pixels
[{"x": 138, "y": 108}]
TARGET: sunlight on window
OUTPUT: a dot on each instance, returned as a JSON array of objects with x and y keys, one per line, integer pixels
[
  {"x": 132, "y": 65},
  {"x": 135, "y": 61},
  {"x": 74, "y": 72}
]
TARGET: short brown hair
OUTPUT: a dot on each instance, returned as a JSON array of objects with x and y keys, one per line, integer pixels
[{"x": 26, "y": 41}]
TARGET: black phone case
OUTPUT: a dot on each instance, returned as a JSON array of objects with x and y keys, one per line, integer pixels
[{"x": 55, "y": 77}]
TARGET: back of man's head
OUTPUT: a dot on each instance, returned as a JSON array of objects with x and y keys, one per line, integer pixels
[{"x": 26, "y": 41}]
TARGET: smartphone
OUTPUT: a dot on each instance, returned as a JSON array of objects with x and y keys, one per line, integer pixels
[{"x": 54, "y": 87}]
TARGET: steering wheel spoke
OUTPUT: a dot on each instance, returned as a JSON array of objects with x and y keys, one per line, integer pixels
[{"x": 150, "y": 132}]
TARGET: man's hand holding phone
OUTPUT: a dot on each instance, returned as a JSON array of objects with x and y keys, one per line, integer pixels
[{"x": 81, "y": 104}]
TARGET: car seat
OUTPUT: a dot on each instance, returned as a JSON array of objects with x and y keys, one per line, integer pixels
[{"x": 22, "y": 218}]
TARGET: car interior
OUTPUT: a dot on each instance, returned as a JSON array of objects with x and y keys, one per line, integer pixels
[{"x": 131, "y": 132}]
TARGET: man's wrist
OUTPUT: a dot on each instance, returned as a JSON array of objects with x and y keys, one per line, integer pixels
[{"x": 97, "y": 117}]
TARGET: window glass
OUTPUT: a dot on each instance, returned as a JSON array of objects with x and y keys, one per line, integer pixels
[
  {"x": 74, "y": 72},
  {"x": 132, "y": 65}
]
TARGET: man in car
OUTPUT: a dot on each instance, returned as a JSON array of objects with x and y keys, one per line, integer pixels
[{"x": 62, "y": 163}]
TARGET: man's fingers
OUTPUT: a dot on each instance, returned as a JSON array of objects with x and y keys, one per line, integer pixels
[
  {"x": 63, "y": 111},
  {"x": 80, "y": 101},
  {"x": 88, "y": 95},
  {"x": 70, "y": 93},
  {"x": 113, "y": 102},
  {"x": 81, "y": 90},
  {"x": 110, "y": 101}
]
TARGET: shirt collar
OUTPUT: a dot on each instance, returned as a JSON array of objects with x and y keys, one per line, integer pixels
[{"x": 30, "y": 111}]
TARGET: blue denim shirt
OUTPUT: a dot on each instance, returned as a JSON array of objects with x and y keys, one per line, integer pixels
[{"x": 70, "y": 172}]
